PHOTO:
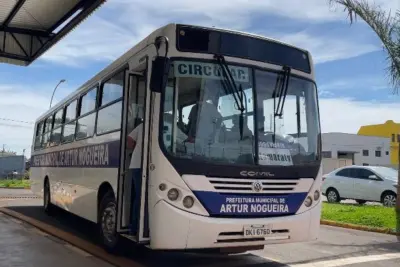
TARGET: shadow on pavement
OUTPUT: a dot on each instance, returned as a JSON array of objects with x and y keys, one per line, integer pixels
[{"x": 87, "y": 230}]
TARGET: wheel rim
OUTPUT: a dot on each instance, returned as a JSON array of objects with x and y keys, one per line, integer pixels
[
  {"x": 108, "y": 222},
  {"x": 389, "y": 201},
  {"x": 332, "y": 197}
]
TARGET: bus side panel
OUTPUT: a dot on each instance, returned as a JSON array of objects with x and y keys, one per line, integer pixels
[
  {"x": 36, "y": 178},
  {"x": 76, "y": 171}
]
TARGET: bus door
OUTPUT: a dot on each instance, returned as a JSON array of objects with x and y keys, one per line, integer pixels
[{"x": 132, "y": 154}]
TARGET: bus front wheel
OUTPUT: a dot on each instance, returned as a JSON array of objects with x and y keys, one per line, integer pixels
[{"x": 107, "y": 223}]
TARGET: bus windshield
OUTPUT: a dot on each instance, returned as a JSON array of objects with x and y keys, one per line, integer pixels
[{"x": 202, "y": 116}]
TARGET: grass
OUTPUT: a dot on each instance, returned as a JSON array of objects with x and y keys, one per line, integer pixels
[
  {"x": 365, "y": 215},
  {"x": 14, "y": 183}
]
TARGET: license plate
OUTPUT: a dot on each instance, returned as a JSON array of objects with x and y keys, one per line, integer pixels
[{"x": 257, "y": 231}]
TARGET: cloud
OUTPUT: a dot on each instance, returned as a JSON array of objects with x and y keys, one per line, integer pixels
[
  {"x": 96, "y": 40},
  {"x": 353, "y": 114},
  {"x": 372, "y": 82},
  {"x": 120, "y": 24},
  {"x": 20, "y": 106},
  {"x": 329, "y": 48}
]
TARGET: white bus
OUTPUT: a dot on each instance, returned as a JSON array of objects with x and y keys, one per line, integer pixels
[{"x": 189, "y": 141}]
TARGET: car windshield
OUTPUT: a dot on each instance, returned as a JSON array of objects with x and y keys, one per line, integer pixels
[{"x": 202, "y": 120}]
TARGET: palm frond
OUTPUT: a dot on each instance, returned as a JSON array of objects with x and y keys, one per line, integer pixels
[{"x": 386, "y": 26}]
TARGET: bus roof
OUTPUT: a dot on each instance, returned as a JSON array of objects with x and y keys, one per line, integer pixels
[{"x": 141, "y": 45}]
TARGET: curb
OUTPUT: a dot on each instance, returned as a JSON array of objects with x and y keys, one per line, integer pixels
[
  {"x": 21, "y": 187},
  {"x": 360, "y": 227},
  {"x": 73, "y": 240}
]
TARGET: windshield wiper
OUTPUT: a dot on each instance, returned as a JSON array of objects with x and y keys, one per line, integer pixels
[
  {"x": 230, "y": 87},
  {"x": 281, "y": 87}
]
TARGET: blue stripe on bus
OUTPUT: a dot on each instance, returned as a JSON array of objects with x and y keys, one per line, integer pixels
[
  {"x": 103, "y": 155},
  {"x": 218, "y": 204}
]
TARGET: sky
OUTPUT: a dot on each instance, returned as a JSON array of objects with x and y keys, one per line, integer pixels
[{"x": 349, "y": 59}]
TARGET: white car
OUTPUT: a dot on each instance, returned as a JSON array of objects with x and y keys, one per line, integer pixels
[{"x": 361, "y": 183}]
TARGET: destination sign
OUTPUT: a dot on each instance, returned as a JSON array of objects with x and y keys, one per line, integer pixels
[{"x": 208, "y": 71}]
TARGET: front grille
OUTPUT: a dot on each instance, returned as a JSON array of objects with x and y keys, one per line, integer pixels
[{"x": 245, "y": 186}]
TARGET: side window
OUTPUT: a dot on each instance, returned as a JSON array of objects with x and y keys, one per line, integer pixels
[
  {"x": 70, "y": 113},
  {"x": 344, "y": 173},
  {"x": 87, "y": 106},
  {"x": 55, "y": 138},
  {"x": 38, "y": 135},
  {"x": 364, "y": 173},
  {"x": 88, "y": 102},
  {"x": 70, "y": 123},
  {"x": 85, "y": 126},
  {"x": 113, "y": 89},
  {"x": 58, "y": 119},
  {"x": 109, "y": 116},
  {"x": 47, "y": 131}
]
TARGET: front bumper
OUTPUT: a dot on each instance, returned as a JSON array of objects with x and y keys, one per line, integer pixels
[{"x": 172, "y": 228}]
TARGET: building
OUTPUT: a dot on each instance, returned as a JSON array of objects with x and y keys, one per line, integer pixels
[
  {"x": 10, "y": 163},
  {"x": 342, "y": 149},
  {"x": 390, "y": 130}
]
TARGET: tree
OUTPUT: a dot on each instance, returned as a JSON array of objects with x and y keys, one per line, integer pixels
[{"x": 387, "y": 28}]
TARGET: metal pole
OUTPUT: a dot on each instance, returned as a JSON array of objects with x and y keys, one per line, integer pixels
[
  {"x": 397, "y": 211},
  {"x": 61, "y": 81},
  {"x": 398, "y": 179}
]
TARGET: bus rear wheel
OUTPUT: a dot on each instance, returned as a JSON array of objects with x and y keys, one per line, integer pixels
[{"x": 107, "y": 223}]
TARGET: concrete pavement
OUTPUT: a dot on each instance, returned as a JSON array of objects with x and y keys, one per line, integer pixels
[
  {"x": 23, "y": 245},
  {"x": 336, "y": 247}
]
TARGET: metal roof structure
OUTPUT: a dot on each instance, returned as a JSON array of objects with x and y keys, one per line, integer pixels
[{"x": 28, "y": 28}]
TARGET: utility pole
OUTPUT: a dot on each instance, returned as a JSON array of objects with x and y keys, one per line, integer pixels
[{"x": 398, "y": 180}]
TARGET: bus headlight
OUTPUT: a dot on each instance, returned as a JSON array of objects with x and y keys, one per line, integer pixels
[
  {"x": 173, "y": 194},
  {"x": 316, "y": 195},
  {"x": 188, "y": 202},
  {"x": 308, "y": 201}
]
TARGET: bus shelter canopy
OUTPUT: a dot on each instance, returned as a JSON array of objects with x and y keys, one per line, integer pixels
[{"x": 28, "y": 28}]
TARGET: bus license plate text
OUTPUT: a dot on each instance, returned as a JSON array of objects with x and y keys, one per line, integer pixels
[{"x": 252, "y": 231}]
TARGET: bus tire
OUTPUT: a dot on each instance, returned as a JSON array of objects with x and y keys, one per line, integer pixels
[
  {"x": 47, "y": 205},
  {"x": 107, "y": 223}
]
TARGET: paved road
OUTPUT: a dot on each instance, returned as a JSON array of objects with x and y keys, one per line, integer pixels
[
  {"x": 23, "y": 245},
  {"x": 336, "y": 247}
]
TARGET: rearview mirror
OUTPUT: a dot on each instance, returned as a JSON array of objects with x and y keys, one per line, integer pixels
[{"x": 159, "y": 73}]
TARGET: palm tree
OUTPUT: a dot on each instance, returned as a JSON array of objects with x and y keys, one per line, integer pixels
[{"x": 387, "y": 27}]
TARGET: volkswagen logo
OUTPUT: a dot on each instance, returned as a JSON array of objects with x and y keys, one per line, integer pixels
[{"x": 257, "y": 186}]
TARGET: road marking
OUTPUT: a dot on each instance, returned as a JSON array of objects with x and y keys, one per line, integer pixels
[{"x": 348, "y": 261}]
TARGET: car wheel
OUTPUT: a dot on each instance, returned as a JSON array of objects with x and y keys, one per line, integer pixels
[
  {"x": 332, "y": 195},
  {"x": 107, "y": 223},
  {"x": 389, "y": 199},
  {"x": 361, "y": 202}
]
